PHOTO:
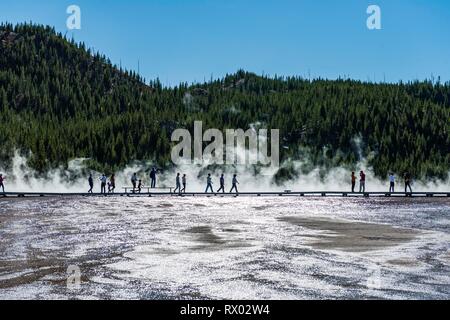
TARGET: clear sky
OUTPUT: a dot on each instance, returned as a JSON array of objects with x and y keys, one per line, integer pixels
[{"x": 192, "y": 40}]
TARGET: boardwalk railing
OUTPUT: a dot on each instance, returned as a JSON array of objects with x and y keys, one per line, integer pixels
[{"x": 286, "y": 193}]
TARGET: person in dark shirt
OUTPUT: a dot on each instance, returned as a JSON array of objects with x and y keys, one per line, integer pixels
[
  {"x": 1, "y": 182},
  {"x": 407, "y": 178},
  {"x": 222, "y": 184},
  {"x": 134, "y": 180},
  {"x": 177, "y": 184},
  {"x": 209, "y": 183},
  {"x": 353, "y": 181},
  {"x": 112, "y": 183},
  {"x": 91, "y": 183},
  {"x": 234, "y": 184},
  {"x": 153, "y": 178}
]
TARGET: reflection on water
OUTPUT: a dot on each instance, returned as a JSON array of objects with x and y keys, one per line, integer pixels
[{"x": 233, "y": 248}]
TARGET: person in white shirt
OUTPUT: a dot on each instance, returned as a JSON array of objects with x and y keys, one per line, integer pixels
[
  {"x": 103, "y": 183},
  {"x": 391, "y": 182}
]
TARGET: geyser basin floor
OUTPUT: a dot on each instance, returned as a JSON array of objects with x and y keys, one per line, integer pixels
[{"x": 234, "y": 248}]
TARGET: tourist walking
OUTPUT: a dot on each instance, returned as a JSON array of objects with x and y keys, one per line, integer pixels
[
  {"x": 112, "y": 183},
  {"x": 91, "y": 183},
  {"x": 222, "y": 184},
  {"x": 183, "y": 181},
  {"x": 234, "y": 184},
  {"x": 209, "y": 183},
  {"x": 178, "y": 184}
]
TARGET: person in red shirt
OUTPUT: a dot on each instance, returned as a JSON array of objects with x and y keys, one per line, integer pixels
[
  {"x": 362, "y": 182},
  {"x": 1, "y": 182},
  {"x": 112, "y": 181}
]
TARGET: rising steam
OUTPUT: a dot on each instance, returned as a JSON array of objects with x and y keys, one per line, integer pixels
[{"x": 20, "y": 177}]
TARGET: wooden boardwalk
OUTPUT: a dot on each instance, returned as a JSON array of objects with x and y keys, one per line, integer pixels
[{"x": 243, "y": 194}]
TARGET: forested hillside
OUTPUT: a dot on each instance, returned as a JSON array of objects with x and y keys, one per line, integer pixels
[{"x": 60, "y": 101}]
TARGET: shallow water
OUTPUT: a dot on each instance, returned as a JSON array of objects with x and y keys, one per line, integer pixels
[{"x": 225, "y": 248}]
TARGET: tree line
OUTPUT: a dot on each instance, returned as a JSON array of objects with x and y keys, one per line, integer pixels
[{"x": 60, "y": 100}]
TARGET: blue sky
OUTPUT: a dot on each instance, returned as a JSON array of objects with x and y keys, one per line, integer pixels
[{"x": 192, "y": 40}]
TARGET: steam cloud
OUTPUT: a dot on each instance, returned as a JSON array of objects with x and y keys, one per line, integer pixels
[{"x": 20, "y": 177}]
